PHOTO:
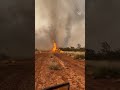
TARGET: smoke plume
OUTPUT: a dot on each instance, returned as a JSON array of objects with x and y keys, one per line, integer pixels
[
  {"x": 68, "y": 31},
  {"x": 58, "y": 20}
]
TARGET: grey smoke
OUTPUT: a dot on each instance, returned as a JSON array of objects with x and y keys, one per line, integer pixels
[
  {"x": 68, "y": 32},
  {"x": 61, "y": 19}
]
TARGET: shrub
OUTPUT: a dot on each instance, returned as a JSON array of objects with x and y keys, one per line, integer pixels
[{"x": 54, "y": 66}]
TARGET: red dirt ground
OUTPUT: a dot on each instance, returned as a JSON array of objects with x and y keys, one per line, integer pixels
[{"x": 73, "y": 71}]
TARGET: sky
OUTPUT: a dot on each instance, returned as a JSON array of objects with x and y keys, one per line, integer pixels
[{"x": 66, "y": 18}]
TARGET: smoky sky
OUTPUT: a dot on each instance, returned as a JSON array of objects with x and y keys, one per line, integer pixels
[
  {"x": 65, "y": 19},
  {"x": 17, "y": 27},
  {"x": 102, "y": 23}
]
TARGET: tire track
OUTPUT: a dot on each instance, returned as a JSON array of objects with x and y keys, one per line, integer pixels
[
  {"x": 77, "y": 80},
  {"x": 72, "y": 71}
]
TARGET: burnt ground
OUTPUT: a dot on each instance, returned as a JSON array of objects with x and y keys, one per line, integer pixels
[
  {"x": 17, "y": 76},
  {"x": 72, "y": 71}
]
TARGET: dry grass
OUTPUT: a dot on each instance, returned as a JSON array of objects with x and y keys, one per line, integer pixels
[
  {"x": 76, "y": 55},
  {"x": 73, "y": 52},
  {"x": 79, "y": 56},
  {"x": 54, "y": 66}
]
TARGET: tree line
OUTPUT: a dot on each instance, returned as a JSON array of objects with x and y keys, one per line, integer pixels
[{"x": 78, "y": 48}]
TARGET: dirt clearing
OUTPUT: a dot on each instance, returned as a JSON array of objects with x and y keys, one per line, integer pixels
[{"x": 52, "y": 69}]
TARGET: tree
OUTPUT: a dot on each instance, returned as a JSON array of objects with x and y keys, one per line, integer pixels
[{"x": 78, "y": 46}]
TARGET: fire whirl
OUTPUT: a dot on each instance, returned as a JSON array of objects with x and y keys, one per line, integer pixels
[{"x": 55, "y": 48}]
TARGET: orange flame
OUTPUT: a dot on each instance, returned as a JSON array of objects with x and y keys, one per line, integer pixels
[{"x": 55, "y": 48}]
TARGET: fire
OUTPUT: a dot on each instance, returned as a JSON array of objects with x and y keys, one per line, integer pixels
[{"x": 55, "y": 48}]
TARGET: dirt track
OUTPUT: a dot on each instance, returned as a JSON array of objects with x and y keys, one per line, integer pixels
[{"x": 72, "y": 71}]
